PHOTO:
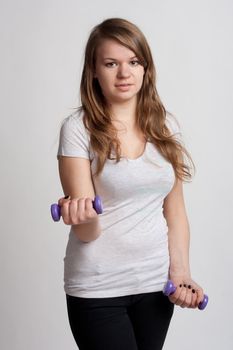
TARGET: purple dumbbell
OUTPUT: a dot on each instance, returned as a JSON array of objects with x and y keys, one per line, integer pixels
[
  {"x": 170, "y": 288},
  {"x": 56, "y": 209}
]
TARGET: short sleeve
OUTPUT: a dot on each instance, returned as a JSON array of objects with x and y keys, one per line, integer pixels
[
  {"x": 74, "y": 140},
  {"x": 173, "y": 126}
]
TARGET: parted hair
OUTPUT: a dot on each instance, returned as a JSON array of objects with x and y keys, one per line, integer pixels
[{"x": 150, "y": 111}]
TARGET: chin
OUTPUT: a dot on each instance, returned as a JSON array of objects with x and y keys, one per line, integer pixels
[{"x": 124, "y": 96}]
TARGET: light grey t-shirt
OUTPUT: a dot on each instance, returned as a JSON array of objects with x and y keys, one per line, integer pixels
[{"x": 131, "y": 255}]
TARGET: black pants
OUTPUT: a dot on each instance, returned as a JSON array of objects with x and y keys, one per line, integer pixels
[{"x": 135, "y": 322}]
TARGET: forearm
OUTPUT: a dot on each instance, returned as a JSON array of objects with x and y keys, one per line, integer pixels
[
  {"x": 89, "y": 231},
  {"x": 179, "y": 239}
]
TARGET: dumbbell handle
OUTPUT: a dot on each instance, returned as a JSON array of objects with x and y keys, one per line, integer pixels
[
  {"x": 170, "y": 288},
  {"x": 56, "y": 209}
]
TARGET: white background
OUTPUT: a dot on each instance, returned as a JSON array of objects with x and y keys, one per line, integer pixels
[{"x": 42, "y": 45}]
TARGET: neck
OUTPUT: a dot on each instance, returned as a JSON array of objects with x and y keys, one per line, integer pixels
[{"x": 125, "y": 113}]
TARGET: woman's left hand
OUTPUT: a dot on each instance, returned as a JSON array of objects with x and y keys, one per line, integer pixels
[{"x": 188, "y": 293}]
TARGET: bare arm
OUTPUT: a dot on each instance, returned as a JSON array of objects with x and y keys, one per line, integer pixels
[
  {"x": 188, "y": 293},
  {"x": 76, "y": 180},
  {"x": 178, "y": 233}
]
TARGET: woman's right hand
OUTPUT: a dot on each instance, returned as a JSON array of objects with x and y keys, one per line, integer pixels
[{"x": 77, "y": 211}]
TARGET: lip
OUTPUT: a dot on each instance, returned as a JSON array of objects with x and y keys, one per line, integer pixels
[
  {"x": 123, "y": 87},
  {"x": 118, "y": 85}
]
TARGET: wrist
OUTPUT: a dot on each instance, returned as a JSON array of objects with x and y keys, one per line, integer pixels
[
  {"x": 89, "y": 231},
  {"x": 176, "y": 272}
]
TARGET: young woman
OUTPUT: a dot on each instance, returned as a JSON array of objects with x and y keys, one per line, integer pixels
[{"x": 123, "y": 145}]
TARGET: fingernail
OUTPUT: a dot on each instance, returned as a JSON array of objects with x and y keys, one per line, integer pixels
[
  {"x": 193, "y": 290},
  {"x": 180, "y": 285},
  {"x": 189, "y": 286},
  {"x": 184, "y": 285},
  {"x": 66, "y": 197}
]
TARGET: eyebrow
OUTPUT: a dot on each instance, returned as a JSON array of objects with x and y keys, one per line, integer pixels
[{"x": 115, "y": 59}]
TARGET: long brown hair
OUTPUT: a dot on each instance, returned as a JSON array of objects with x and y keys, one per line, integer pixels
[{"x": 150, "y": 112}]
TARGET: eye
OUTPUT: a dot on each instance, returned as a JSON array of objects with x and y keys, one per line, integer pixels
[
  {"x": 110, "y": 64},
  {"x": 135, "y": 62}
]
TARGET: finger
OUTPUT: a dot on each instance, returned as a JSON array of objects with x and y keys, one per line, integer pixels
[
  {"x": 199, "y": 293},
  {"x": 65, "y": 212},
  {"x": 188, "y": 299},
  {"x": 194, "y": 299},
  {"x": 182, "y": 298},
  {"x": 200, "y": 296},
  {"x": 73, "y": 211},
  {"x": 175, "y": 296},
  {"x": 90, "y": 211},
  {"x": 81, "y": 210},
  {"x": 192, "y": 296},
  {"x": 63, "y": 200}
]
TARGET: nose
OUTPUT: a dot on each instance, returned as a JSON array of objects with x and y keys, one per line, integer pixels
[{"x": 123, "y": 71}]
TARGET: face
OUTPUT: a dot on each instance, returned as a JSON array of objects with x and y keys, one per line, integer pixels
[{"x": 118, "y": 71}]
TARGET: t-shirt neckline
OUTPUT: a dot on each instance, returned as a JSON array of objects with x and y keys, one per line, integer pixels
[{"x": 139, "y": 157}]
